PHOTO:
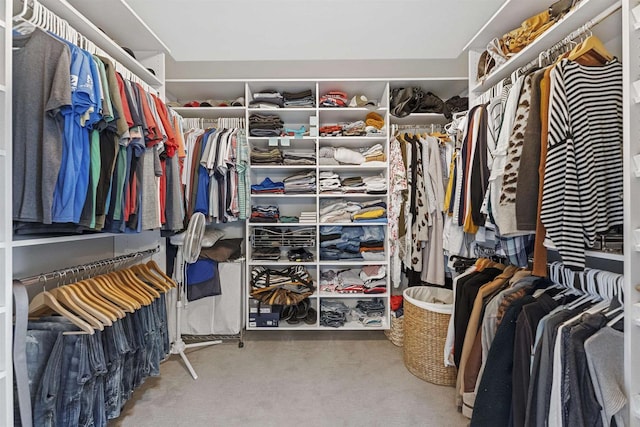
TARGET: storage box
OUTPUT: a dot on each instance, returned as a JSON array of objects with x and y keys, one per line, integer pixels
[
  {"x": 264, "y": 320},
  {"x": 256, "y": 307}
]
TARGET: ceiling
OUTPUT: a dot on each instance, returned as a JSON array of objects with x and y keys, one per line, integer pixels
[{"x": 314, "y": 30}]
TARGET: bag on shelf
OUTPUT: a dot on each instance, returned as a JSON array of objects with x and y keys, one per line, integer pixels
[{"x": 288, "y": 286}]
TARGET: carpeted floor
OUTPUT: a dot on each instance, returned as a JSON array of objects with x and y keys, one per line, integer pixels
[{"x": 292, "y": 379}]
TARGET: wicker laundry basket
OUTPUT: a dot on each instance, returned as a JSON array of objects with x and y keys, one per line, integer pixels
[
  {"x": 427, "y": 311},
  {"x": 395, "y": 332}
]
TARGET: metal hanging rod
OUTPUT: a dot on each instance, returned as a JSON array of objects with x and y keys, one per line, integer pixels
[{"x": 91, "y": 269}]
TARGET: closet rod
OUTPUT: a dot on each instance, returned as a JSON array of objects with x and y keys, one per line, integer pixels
[{"x": 89, "y": 269}]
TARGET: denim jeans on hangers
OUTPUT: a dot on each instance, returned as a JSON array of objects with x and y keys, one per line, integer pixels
[
  {"x": 66, "y": 373},
  {"x": 41, "y": 345},
  {"x": 92, "y": 407},
  {"x": 116, "y": 347}
]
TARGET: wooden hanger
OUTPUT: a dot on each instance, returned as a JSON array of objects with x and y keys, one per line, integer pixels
[
  {"x": 105, "y": 306},
  {"x": 592, "y": 51},
  {"x": 123, "y": 301},
  {"x": 65, "y": 298},
  {"x": 114, "y": 283},
  {"x": 45, "y": 302},
  {"x": 157, "y": 270},
  {"x": 143, "y": 271},
  {"x": 105, "y": 316},
  {"x": 144, "y": 287},
  {"x": 130, "y": 283}
]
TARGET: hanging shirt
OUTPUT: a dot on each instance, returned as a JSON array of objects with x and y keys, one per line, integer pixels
[{"x": 41, "y": 97}]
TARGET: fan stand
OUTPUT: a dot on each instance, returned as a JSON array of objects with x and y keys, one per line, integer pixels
[{"x": 179, "y": 346}]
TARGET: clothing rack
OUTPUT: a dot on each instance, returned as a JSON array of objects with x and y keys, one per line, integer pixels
[
  {"x": 45, "y": 19},
  {"x": 91, "y": 269}
]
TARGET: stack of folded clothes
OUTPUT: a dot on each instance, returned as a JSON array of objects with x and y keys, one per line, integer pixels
[
  {"x": 265, "y": 213},
  {"x": 374, "y": 124},
  {"x": 267, "y": 186},
  {"x": 372, "y": 243},
  {"x": 299, "y": 157},
  {"x": 374, "y": 155},
  {"x": 338, "y": 210},
  {"x": 266, "y": 156},
  {"x": 329, "y": 181},
  {"x": 353, "y": 184},
  {"x": 265, "y": 254},
  {"x": 267, "y": 99},
  {"x": 371, "y": 211},
  {"x": 368, "y": 280},
  {"x": 333, "y": 313},
  {"x": 344, "y": 243},
  {"x": 334, "y": 98},
  {"x": 299, "y": 99},
  {"x": 265, "y": 125},
  {"x": 369, "y": 312},
  {"x": 301, "y": 182},
  {"x": 374, "y": 278},
  {"x": 331, "y": 130},
  {"x": 376, "y": 184},
  {"x": 356, "y": 128},
  {"x": 307, "y": 217}
]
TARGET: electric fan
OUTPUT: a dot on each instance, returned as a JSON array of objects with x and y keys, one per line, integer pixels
[{"x": 188, "y": 253}]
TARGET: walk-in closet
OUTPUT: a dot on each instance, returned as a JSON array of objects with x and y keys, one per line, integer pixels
[{"x": 254, "y": 213}]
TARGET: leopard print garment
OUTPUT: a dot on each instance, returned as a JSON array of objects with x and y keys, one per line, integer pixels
[{"x": 516, "y": 141}]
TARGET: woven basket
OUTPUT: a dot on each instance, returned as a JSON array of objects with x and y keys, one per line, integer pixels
[
  {"x": 425, "y": 333},
  {"x": 395, "y": 333}
]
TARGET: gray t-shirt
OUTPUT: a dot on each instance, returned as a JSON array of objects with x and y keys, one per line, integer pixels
[{"x": 41, "y": 87}]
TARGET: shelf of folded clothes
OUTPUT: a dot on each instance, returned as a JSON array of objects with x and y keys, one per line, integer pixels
[
  {"x": 300, "y": 183},
  {"x": 352, "y": 182},
  {"x": 265, "y": 156},
  {"x": 352, "y": 243},
  {"x": 354, "y": 124},
  {"x": 341, "y": 282},
  {"x": 294, "y": 96},
  {"x": 357, "y": 312},
  {"x": 349, "y": 212},
  {"x": 360, "y": 153},
  {"x": 352, "y": 94},
  {"x": 273, "y": 215}
]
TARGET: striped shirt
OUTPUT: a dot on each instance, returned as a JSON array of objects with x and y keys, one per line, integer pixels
[{"x": 583, "y": 173}]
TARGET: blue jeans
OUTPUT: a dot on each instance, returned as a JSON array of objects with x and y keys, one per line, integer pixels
[
  {"x": 116, "y": 347},
  {"x": 59, "y": 396}
]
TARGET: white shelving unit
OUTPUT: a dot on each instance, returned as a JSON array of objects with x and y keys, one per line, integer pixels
[
  {"x": 294, "y": 204},
  {"x": 184, "y": 91},
  {"x": 6, "y": 367}
]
